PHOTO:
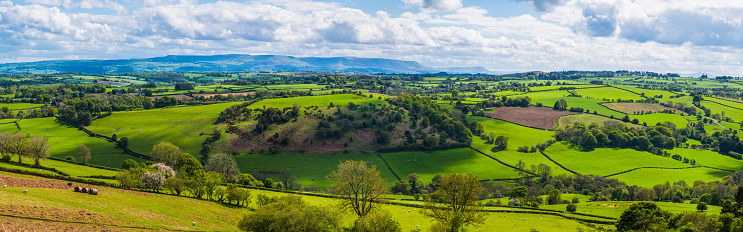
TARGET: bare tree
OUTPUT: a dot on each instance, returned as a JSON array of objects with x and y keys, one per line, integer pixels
[
  {"x": 83, "y": 152},
  {"x": 358, "y": 185}
]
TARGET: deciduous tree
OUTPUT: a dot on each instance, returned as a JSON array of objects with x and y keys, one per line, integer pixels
[
  {"x": 458, "y": 206},
  {"x": 83, "y": 152},
  {"x": 358, "y": 185}
]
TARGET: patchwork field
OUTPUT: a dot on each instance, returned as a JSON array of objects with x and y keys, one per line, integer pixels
[
  {"x": 636, "y": 108},
  {"x": 539, "y": 117},
  {"x": 430, "y": 163},
  {"x": 606, "y": 161},
  {"x": 181, "y": 126},
  {"x": 608, "y": 93},
  {"x": 64, "y": 141}
]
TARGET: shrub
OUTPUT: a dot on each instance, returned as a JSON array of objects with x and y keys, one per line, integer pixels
[
  {"x": 291, "y": 214},
  {"x": 380, "y": 221},
  {"x": 153, "y": 180},
  {"x": 572, "y": 207},
  {"x": 575, "y": 200},
  {"x": 268, "y": 183},
  {"x": 70, "y": 158}
]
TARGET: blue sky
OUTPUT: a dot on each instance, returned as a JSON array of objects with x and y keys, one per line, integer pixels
[{"x": 683, "y": 36}]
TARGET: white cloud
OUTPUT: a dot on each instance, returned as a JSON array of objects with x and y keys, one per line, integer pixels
[
  {"x": 576, "y": 35},
  {"x": 435, "y": 5},
  {"x": 82, "y": 4}
]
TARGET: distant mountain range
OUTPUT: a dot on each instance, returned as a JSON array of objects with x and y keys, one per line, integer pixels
[{"x": 231, "y": 63}]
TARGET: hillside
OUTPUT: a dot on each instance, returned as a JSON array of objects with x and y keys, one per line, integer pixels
[{"x": 230, "y": 63}]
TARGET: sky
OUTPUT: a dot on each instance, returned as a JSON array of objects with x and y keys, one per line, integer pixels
[{"x": 688, "y": 37}]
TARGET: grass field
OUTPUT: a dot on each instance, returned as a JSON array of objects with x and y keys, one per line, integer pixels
[
  {"x": 322, "y": 101},
  {"x": 605, "y": 161},
  {"x": 309, "y": 169},
  {"x": 649, "y": 92},
  {"x": 652, "y": 119},
  {"x": 709, "y": 158},
  {"x": 115, "y": 208},
  {"x": 74, "y": 170},
  {"x": 585, "y": 103},
  {"x": 716, "y": 108},
  {"x": 616, "y": 208},
  {"x": 650, "y": 177},
  {"x": 64, "y": 141},
  {"x": 180, "y": 126},
  {"x": 430, "y": 163},
  {"x": 608, "y": 93}
]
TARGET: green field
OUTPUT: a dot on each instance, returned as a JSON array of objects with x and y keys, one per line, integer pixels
[
  {"x": 608, "y": 93},
  {"x": 715, "y": 108},
  {"x": 164, "y": 212},
  {"x": 180, "y": 126},
  {"x": 585, "y": 103},
  {"x": 652, "y": 119},
  {"x": 430, "y": 163},
  {"x": 309, "y": 169},
  {"x": 518, "y": 136},
  {"x": 64, "y": 141},
  {"x": 709, "y": 158},
  {"x": 650, "y": 177},
  {"x": 605, "y": 161},
  {"x": 15, "y": 106},
  {"x": 322, "y": 101}
]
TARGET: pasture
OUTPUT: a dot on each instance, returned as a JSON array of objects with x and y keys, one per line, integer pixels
[
  {"x": 430, "y": 163},
  {"x": 181, "y": 126},
  {"x": 64, "y": 141},
  {"x": 308, "y": 168},
  {"x": 652, "y": 119},
  {"x": 116, "y": 209},
  {"x": 609, "y": 93},
  {"x": 17, "y": 106},
  {"x": 606, "y": 161},
  {"x": 649, "y": 177}
]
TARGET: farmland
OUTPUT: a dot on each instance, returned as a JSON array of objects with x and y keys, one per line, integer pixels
[
  {"x": 296, "y": 130},
  {"x": 539, "y": 117}
]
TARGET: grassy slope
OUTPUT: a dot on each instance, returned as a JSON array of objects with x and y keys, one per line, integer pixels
[
  {"x": 709, "y": 158},
  {"x": 169, "y": 212},
  {"x": 65, "y": 140},
  {"x": 650, "y": 177},
  {"x": 180, "y": 126},
  {"x": 605, "y": 161},
  {"x": 309, "y": 169},
  {"x": 430, "y": 163},
  {"x": 519, "y": 136},
  {"x": 608, "y": 93},
  {"x": 652, "y": 119},
  {"x": 15, "y": 106},
  {"x": 340, "y": 99}
]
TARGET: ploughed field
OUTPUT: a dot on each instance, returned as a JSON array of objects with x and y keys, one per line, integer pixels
[{"x": 532, "y": 116}]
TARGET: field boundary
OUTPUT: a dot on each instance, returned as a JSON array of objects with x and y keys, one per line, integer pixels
[
  {"x": 629, "y": 91},
  {"x": 623, "y": 172},
  {"x": 722, "y": 104},
  {"x": 111, "y": 140},
  {"x": 507, "y": 165},
  {"x": 558, "y": 164},
  {"x": 388, "y": 166},
  {"x": 16, "y": 124}
]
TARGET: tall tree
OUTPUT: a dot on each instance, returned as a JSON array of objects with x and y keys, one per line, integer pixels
[
  {"x": 224, "y": 164},
  {"x": 38, "y": 148},
  {"x": 458, "y": 206},
  {"x": 166, "y": 152},
  {"x": 359, "y": 185},
  {"x": 83, "y": 152}
]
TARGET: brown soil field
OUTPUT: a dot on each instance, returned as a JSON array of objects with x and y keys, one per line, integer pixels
[
  {"x": 532, "y": 116},
  {"x": 208, "y": 95},
  {"x": 109, "y": 82},
  {"x": 176, "y": 96},
  {"x": 631, "y": 108}
]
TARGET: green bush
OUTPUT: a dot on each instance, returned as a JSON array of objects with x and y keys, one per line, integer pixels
[
  {"x": 380, "y": 221},
  {"x": 291, "y": 214}
]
